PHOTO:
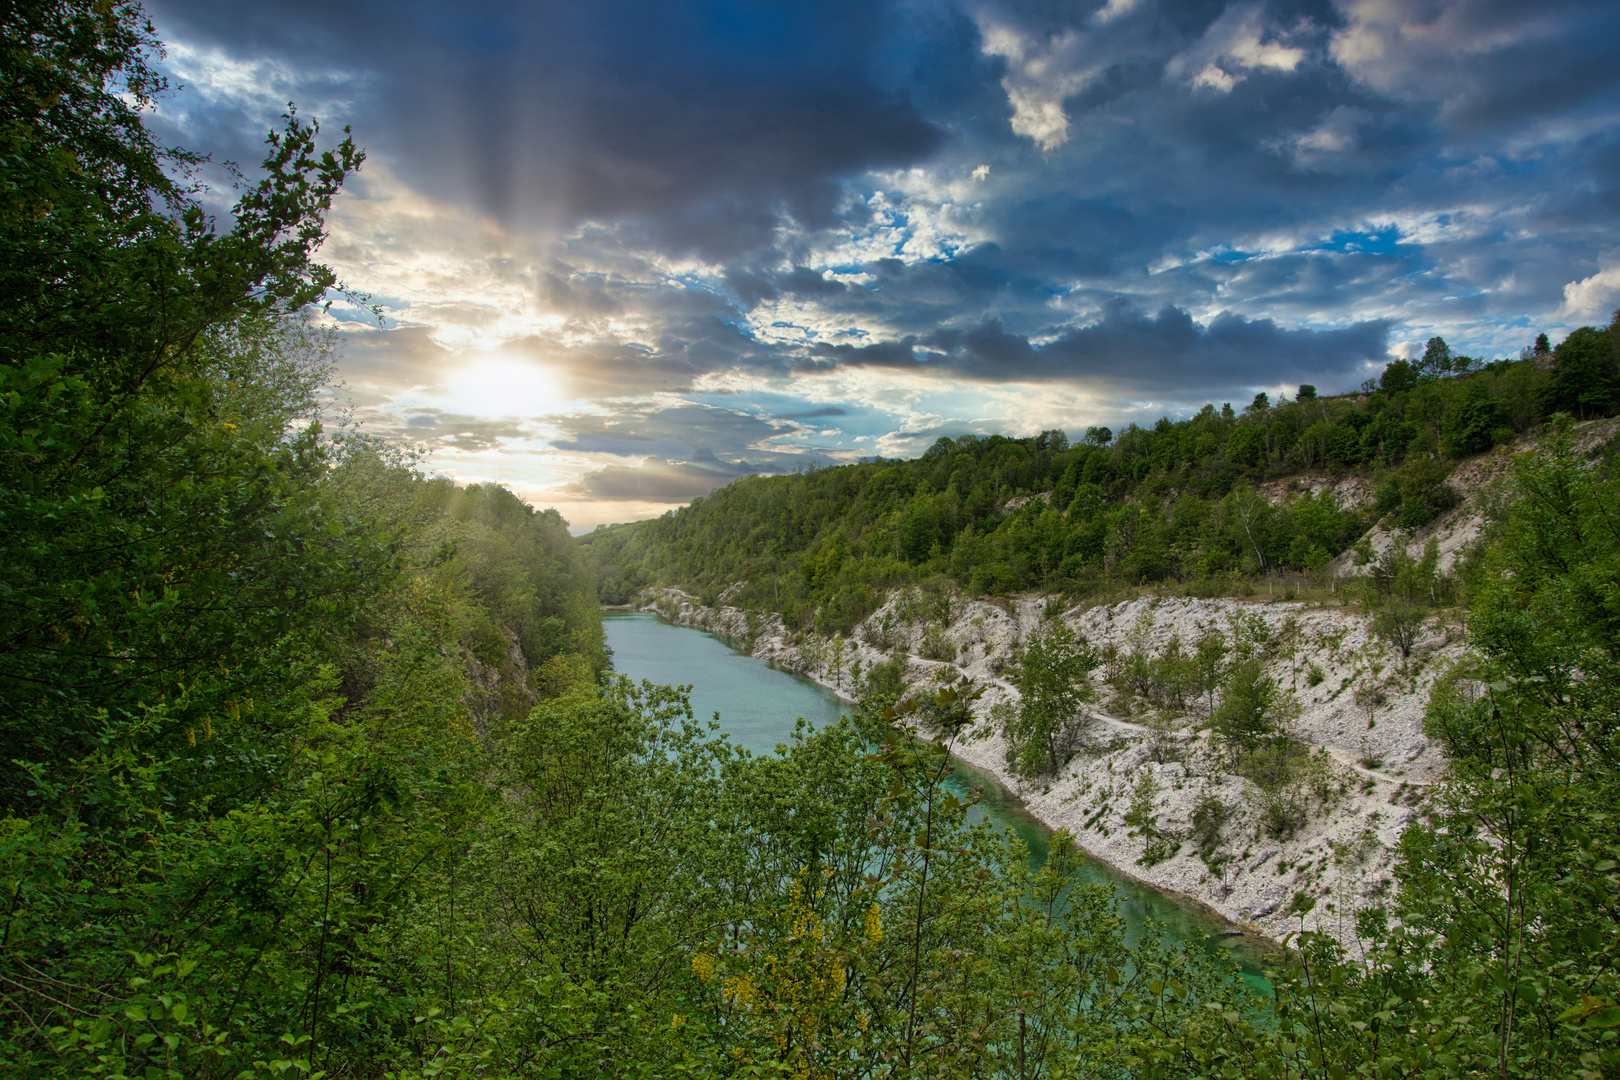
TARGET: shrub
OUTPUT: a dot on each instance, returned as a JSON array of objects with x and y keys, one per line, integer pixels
[
  {"x": 1208, "y": 818},
  {"x": 936, "y": 645},
  {"x": 1053, "y": 674},
  {"x": 1399, "y": 623},
  {"x": 1252, "y": 710}
]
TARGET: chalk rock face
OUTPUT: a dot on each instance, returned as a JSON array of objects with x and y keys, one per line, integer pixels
[{"x": 1151, "y": 794}]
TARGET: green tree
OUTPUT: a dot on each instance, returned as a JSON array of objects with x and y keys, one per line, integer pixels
[
  {"x": 1253, "y": 709},
  {"x": 1398, "y": 377},
  {"x": 1585, "y": 377},
  {"x": 1474, "y": 424},
  {"x": 1436, "y": 359},
  {"x": 1209, "y": 662},
  {"x": 1399, "y": 623},
  {"x": 1052, "y": 672}
]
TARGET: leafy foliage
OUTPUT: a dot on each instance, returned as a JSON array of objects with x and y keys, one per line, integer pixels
[
  {"x": 311, "y": 766},
  {"x": 1052, "y": 672}
]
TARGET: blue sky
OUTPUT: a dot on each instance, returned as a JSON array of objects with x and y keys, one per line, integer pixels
[{"x": 631, "y": 250}]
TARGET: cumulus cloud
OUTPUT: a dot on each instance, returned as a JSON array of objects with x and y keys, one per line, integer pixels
[
  {"x": 1486, "y": 63},
  {"x": 1332, "y": 143},
  {"x": 1041, "y": 73},
  {"x": 659, "y": 481},
  {"x": 698, "y": 120},
  {"x": 1115, "y": 9},
  {"x": 666, "y": 428},
  {"x": 1125, "y": 348},
  {"x": 1598, "y": 295}
]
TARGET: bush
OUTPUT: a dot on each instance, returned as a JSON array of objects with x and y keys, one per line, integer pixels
[
  {"x": 1053, "y": 675},
  {"x": 1424, "y": 493},
  {"x": 1208, "y": 818},
  {"x": 1252, "y": 710},
  {"x": 1400, "y": 623},
  {"x": 937, "y": 645},
  {"x": 882, "y": 685}
]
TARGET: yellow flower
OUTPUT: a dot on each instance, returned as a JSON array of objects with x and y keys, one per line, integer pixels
[
  {"x": 874, "y": 924},
  {"x": 703, "y": 966},
  {"x": 739, "y": 990}
]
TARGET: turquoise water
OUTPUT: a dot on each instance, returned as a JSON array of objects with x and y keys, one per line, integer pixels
[{"x": 758, "y": 705}]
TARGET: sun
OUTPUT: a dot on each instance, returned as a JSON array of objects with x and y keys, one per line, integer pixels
[{"x": 494, "y": 385}]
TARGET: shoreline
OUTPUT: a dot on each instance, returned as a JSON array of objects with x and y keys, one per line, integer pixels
[
  {"x": 1130, "y": 800},
  {"x": 1236, "y": 935}
]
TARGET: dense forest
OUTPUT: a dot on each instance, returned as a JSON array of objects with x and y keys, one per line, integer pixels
[
  {"x": 314, "y": 766},
  {"x": 1176, "y": 503}
]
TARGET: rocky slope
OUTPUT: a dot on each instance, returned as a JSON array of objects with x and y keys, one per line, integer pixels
[
  {"x": 1484, "y": 484},
  {"x": 1325, "y": 843}
]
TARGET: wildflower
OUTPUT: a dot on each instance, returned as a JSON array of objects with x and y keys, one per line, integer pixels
[{"x": 739, "y": 990}]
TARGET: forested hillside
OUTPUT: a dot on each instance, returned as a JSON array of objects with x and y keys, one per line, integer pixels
[{"x": 1177, "y": 502}]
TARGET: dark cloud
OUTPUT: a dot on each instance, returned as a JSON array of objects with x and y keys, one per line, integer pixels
[
  {"x": 701, "y": 121},
  {"x": 1156, "y": 354},
  {"x": 1335, "y": 176},
  {"x": 662, "y": 481},
  {"x": 711, "y": 126},
  {"x": 813, "y": 414},
  {"x": 690, "y": 432},
  {"x": 1491, "y": 65}
]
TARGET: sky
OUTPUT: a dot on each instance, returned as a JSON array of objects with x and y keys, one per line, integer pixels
[{"x": 627, "y": 251}]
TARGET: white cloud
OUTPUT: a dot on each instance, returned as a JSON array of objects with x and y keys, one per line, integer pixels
[
  {"x": 1115, "y": 9},
  {"x": 1235, "y": 44},
  {"x": 1595, "y": 296},
  {"x": 1214, "y": 77},
  {"x": 1040, "y": 74},
  {"x": 211, "y": 79}
]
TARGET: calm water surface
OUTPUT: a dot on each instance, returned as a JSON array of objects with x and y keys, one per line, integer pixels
[{"x": 758, "y": 704}]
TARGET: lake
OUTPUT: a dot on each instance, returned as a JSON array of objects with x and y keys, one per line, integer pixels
[{"x": 758, "y": 704}]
